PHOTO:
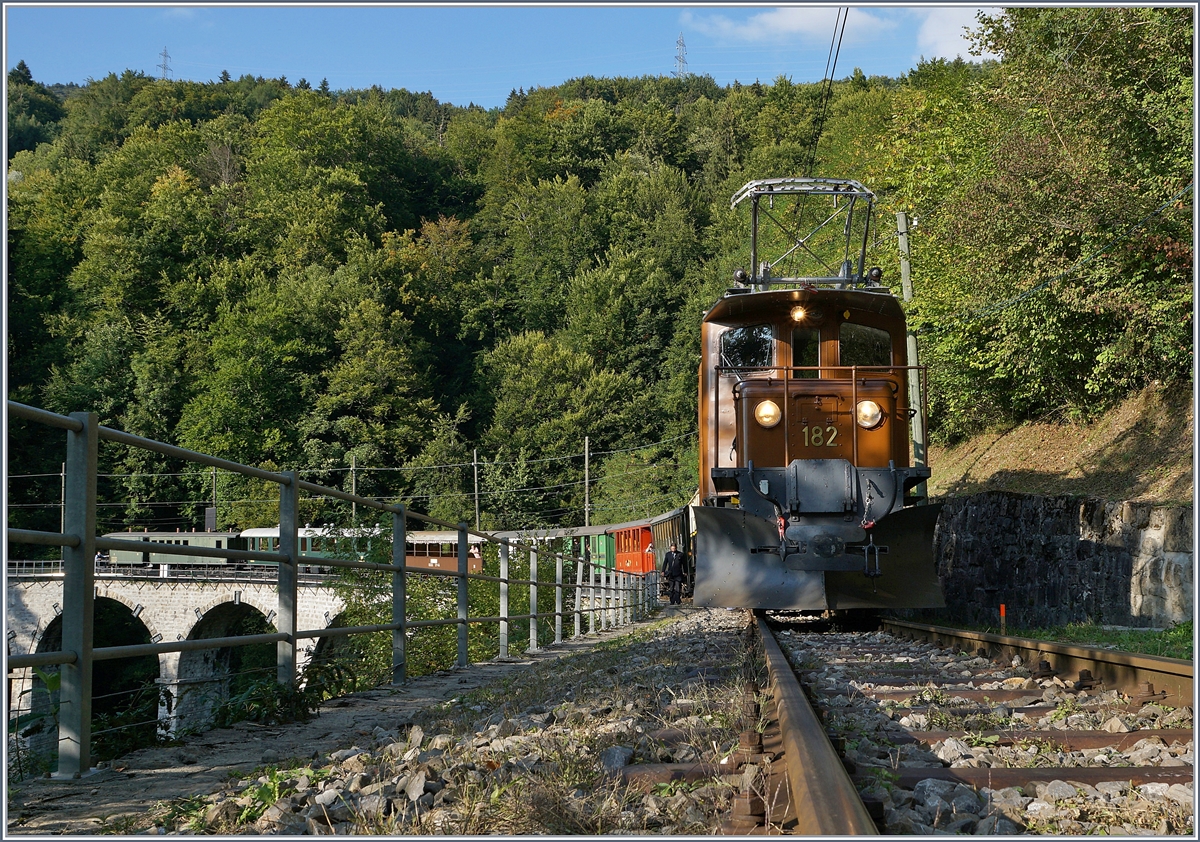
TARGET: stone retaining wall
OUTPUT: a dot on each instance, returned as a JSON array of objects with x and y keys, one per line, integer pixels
[{"x": 1058, "y": 560}]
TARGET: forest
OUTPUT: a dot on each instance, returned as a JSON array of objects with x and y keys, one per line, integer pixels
[{"x": 385, "y": 291}]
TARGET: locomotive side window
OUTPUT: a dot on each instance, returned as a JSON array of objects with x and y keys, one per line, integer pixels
[
  {"x": 806, "y": 342},
  {"x": 747, "y": 347},
  {"x": 862, "y": 345}
]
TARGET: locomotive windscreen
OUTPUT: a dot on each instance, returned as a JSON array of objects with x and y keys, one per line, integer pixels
[
  {"x": 863, "y": 345},
  {"x": 747, "y": 347}
]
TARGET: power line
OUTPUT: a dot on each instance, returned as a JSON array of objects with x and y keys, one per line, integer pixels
[
  {"x": 360, "y": 468},
  {"x": 843, "y": 15}
]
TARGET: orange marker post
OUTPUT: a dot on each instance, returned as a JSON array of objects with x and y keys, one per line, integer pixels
[{"x": 1002, "y": 619}]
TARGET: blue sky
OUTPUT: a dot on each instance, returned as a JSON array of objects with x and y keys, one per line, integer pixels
[{"x": 464, "y": 54}]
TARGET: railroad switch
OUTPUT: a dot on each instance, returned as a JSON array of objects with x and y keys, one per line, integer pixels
[{"x": 1087, "y": 681}]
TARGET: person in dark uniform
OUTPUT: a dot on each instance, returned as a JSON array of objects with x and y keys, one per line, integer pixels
[{"x": 673, "y": 572}]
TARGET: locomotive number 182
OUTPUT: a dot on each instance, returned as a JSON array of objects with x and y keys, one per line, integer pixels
[{"x": 818, "y": 436}]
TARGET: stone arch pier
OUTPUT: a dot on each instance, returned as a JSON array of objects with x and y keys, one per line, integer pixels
[{"x": 131, "y": 610}]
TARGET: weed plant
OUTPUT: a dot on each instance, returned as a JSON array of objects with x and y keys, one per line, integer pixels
[{"x": 1174, "y": 642}]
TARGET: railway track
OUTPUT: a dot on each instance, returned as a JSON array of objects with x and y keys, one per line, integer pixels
[{"x": 880, "y": 733}]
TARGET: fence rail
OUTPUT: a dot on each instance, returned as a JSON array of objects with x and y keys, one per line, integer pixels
[{"x": 612, "y": 597}]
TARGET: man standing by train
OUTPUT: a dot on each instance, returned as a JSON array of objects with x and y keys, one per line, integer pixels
[{"x": 673, "y": 572}]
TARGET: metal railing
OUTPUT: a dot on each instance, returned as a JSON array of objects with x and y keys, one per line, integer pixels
[{"x": 613, "y": 598}]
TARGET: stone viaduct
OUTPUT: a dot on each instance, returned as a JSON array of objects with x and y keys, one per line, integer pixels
[{"x": 143, "y": 609}]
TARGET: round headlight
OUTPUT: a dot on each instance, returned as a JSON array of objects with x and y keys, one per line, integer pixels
[
  {"x": 767, "y": 414},
  {"x": 870, "y": 415},
  {"x": 798, "y": 314}
]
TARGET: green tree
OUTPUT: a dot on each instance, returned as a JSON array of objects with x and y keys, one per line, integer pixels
[{"x": 33, "y": 111}]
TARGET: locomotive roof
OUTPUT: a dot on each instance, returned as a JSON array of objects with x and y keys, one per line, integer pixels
[{"x": 739, "y": 304}]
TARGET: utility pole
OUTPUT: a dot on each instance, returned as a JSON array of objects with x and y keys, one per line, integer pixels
[
  {"x": 62, "y": 508},
  {"x": 587, "y": 491},
  {"x": 353, "y": 488},
  {"x": 164, "y": 67},
  {"x": 914, "y": 379},
  {"x": 680, "y": 59},
  {"x": 475, "y": 466},
  {"x": 210, "y": 520}
]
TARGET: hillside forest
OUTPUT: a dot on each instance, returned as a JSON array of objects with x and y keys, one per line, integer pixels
[{"x": 391, "y": 293}]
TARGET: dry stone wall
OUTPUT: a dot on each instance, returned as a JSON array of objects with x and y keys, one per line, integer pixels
[{"x": 1058, "y": 560}]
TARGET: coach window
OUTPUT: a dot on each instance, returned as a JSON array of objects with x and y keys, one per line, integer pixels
[
  {"x": 806, "y": 342},
  {"x": 747, "y": 347},
  {"x": 863, "y": 345}
]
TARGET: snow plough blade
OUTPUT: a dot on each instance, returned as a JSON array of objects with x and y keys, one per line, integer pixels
[{"x": 738, "y": 565}]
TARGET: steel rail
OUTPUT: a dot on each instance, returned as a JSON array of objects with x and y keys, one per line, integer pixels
[
  {"x": 824, "y": 798},
  {"x": 1126, "y": 672}
]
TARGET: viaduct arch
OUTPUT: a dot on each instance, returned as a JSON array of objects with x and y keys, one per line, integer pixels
[{"x": 151, "y": 610}]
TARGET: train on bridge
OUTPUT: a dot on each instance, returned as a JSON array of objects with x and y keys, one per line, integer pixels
[{"x": 425, "y": 550}]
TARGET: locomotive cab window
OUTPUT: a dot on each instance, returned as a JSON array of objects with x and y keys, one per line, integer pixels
[
  {"x": 747, "y": 347},
  {"x": 863, "y": 345},
  {"x": 806, "y": 343}
]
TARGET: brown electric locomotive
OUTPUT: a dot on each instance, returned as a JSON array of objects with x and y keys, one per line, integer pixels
[{"x": 809, "y": 498}]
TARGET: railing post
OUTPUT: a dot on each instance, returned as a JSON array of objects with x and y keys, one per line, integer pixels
[
  {"x": 578, "y": 593},
  {"x": 462, "y": 594},
  {"x": 618, "y": 580},
  {"x": 285, "y": 615},
  {"x": 558, "y": 597},
  {"x": 399, "y": 597},
  {"x": 79, "y": 599},
  {"x": 504, "y": 600},
  {"x": 627, "y": 597},
  {"x": 591, "y": 598},
  {"x": 630, "y": 596},
  {"x": 618, "y": 594},
  {"x": 618, "y": 614},
  {"x": 635, "y": 596},
  {"x": 606, "y": 598},
  {"x": 533, "y": 620}
]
